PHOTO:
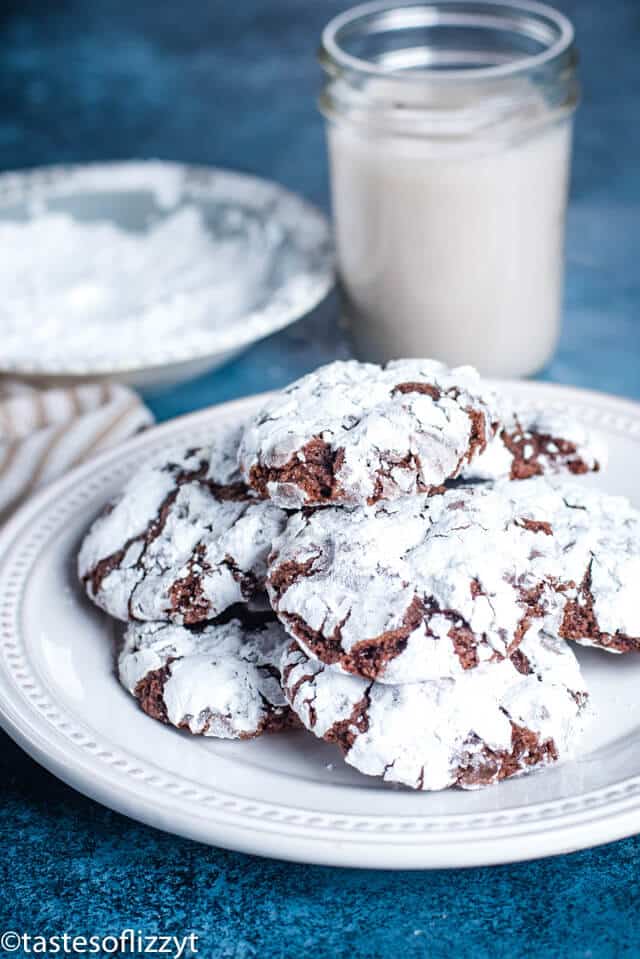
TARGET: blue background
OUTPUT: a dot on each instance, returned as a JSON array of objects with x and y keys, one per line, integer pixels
[{"x": 233, "y": 84}]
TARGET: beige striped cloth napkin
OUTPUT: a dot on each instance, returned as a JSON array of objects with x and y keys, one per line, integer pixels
[{"x": 45, "y": 432}]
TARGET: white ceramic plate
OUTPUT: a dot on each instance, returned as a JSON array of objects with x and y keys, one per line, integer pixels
[
  {"x": 277, "y": 250},
  {"x": 286, "y": 795}
]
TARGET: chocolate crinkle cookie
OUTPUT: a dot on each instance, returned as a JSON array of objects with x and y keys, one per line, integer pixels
[
  {"x": 183, "y": 541},
  {"x": 535, "y": 443},
  {"x": 432, "y": 587},
  {"x": 220, "y": 680},
  {"x": 358, "y": 433},
  {"x": 500, "y": 720}
]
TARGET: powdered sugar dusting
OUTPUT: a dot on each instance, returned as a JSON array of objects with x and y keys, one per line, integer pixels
[
  {"x": 437, "y": 734},
  {"x": 174, "y": 546},
  {"x": 497, "y": 461},
  {"x": 429, "y": 587},
  {"x": 390, "y": 431},
  {"x": 221, "y": 681}
]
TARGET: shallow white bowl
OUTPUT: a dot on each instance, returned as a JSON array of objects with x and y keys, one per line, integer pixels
[{"x": 292, "y": 236}]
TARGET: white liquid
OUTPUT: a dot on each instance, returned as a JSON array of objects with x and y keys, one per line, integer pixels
[{"x": 456, "y": 255}]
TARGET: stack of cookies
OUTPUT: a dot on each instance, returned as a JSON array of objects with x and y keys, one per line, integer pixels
[{"x": 392, "y": 557}]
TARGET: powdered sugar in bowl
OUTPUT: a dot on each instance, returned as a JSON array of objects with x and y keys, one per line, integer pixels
[{"x": 150, "y": 272}]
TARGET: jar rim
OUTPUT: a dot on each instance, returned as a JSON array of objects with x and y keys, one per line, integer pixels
[{"x": 338, "y": 56}]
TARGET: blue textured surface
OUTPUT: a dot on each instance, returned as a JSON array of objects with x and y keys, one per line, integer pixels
[{"x": 233, "y": 85}]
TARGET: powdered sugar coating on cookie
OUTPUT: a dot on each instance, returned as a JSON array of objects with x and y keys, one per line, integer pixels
[
  {"x": 183, "y": 541},
  {"x": 494, "y": 722},
  {"x": 535, "y": 443},
  {"x": 429, "y": 587},
  {"x": 221, "y": 680},
  {"x": 355, "y": 433}
]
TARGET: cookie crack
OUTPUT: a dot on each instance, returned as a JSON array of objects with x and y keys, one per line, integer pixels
[
  {"x": 579, "y": 620},
  {"x": 97, "y": 574},
  {"x": 344, "y": 732},
  {"x": 542, "y": 446}
]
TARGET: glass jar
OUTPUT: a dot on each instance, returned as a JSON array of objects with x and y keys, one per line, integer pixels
[{"x": 449, "y": 134}]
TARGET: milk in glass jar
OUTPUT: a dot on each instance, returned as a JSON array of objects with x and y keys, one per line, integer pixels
[{"x": 449, "y": 132}]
